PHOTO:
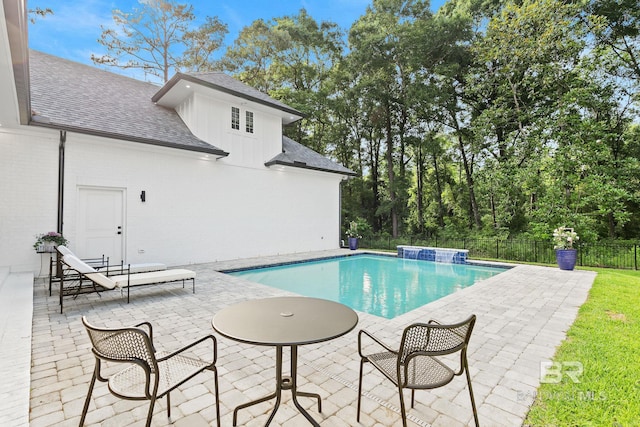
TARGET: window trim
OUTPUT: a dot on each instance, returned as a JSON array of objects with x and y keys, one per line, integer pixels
[
  {"x": 249, "y": 122},
  {"x": 235, "y": 118}
]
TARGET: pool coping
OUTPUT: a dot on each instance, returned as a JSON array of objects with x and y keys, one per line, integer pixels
[{"x": 362, "y": 253}]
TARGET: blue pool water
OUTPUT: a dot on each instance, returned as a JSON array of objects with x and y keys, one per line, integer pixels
[{"x": 380, "y": 285}]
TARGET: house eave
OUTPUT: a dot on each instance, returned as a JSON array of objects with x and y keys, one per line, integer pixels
[
  {"x": 15, "y": 12},
  {"x": 302, "y": 165},
  {"x": 213, "y": 151},
  {"x": 185, "y": 77}
]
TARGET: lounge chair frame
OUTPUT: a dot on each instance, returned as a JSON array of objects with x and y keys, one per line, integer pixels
[
  {"x": 99, "y": 281},
  {"x": 57, "y": 269}
]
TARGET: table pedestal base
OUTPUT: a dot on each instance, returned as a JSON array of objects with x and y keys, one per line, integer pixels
[{"x": 284, "y": 383}]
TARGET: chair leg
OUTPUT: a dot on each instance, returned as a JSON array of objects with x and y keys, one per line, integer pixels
[
  {"x": 403, "y": 411},
  {"x": 88, "y": 399},
  {"x": 215, "y": 380},
  {"x": 362, "y": 360},
  {"x": 413, "y": 397},
  {"x": 168, "y": 404},
  {"x": 150, "y": 414},
  {"x": 473, "y": 401}
]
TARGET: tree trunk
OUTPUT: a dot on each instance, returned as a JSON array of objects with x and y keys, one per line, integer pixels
[
  {"x": 391, "y": 173},
  {"x": 470, "y": 183},
  {"x": 493, "y": 212},
  {"x": 438, "y": 191},
  {"x": 420, "y": 189},
  {"x": 612, "y": 226}
]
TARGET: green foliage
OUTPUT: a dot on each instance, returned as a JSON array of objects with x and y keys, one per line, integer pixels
[
  {"x": 52, "y": 237},
  {"x": 358, "y": 228}
]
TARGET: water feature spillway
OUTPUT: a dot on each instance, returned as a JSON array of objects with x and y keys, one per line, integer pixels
[{"x": 443, "y": 255}]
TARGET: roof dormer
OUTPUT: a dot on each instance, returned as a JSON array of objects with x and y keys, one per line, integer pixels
[{"x": 218, "y": 84}]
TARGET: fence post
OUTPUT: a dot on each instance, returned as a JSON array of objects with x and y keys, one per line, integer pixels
[
  {"x": 635, "y": 256},
  {"x": 579, "y": 249},
  {"x": 497, "y": 250}
]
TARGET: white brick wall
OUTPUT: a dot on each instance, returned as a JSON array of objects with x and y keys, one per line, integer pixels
[
  {"x": 196, "y": 210},
  {"x": 28, "y": 194}
]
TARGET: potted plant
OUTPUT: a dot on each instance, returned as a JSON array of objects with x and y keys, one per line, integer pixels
[
  {"x": 48, "y": 241},
  {"x": 353, "y": 235},
  {"x": 563, "y": 240}
]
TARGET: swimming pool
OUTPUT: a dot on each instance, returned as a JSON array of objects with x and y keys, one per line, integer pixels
[{"x": 376, "y": 284}]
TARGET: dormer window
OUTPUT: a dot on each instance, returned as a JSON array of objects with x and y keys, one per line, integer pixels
[
  {"x": 235, "y": 118},
  {"x": 249, "y": 122}
]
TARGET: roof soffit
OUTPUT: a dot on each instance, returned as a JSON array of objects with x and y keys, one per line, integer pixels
[
  {"x": 182, "y": 86},
  {"x": 14, "y": 20}
]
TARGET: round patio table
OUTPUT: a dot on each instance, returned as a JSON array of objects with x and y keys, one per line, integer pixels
[{"x": 284, "y": 322}]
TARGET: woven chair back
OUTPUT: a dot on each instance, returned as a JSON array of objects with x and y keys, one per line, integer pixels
[
  {"x": 122, "y": 345},
  {"x": 433, "y": 339}
]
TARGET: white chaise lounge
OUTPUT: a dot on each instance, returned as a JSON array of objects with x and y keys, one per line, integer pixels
[
  {"x": 102, "y": 264},
  {"x": 121, "y": 281}
]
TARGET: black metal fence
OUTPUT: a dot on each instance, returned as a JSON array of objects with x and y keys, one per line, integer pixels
[{"x": 608, "y": 255}]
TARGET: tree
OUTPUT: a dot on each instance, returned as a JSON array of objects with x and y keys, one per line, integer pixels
[
  {"x": 158, "y": 38},
  {"x": 38, "y": 12},
  {"x": 444, "y": 65},
  {"x": 616, "y": 27},
  {"x": 291, "y": 58},
  {"x": 380, "y": 47},
  {"x": 524, "y": 63},
  {"x": 201, "y": 43}
]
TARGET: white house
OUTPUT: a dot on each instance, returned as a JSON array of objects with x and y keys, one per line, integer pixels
[{"x": 197, "y": 170}]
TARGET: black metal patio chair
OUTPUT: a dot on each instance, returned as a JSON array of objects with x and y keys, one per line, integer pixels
[
  {"x": 150, "y": 375},
  {"x": 417, "y": 364}
]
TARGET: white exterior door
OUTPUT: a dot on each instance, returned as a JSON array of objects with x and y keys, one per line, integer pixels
[{"x": 100, "y": 223}]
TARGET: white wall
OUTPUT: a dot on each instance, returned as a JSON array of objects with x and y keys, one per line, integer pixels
[
  {"x": 209, "y": 119},
  {"x": 196, "y": 210},
  {"x": 28, "y": 194}
]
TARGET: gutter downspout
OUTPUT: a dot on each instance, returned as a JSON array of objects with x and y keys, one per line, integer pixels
[{"x": 63, "y": 140}]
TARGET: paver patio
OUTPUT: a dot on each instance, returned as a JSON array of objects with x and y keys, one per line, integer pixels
[{"x": 523, "y": 315}]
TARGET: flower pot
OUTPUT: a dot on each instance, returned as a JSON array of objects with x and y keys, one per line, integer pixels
[
  {"x": 566, "y": 258},
  {"x": 353, "y": 243}
]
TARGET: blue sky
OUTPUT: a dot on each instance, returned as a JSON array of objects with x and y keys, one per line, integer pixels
[{"x": 73, "y": 30}]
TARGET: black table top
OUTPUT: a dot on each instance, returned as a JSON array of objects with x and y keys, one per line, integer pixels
[{"x": 285, "y": 321}]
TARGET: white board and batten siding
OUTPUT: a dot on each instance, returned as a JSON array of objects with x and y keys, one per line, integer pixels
[{"x": 209, "y": 118}]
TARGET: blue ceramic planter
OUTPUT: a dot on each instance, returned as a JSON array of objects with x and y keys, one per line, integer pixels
[
  {"x": 353, "y": 243},
  {"x": 566, "y": 258}
]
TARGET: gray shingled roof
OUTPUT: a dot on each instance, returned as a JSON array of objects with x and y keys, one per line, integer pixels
[
  {"x": 76, "y": 97},
  {"x": 224, "y": 83},
  {"x": 71, "y": 96},
  {"x": 297, "y": 155}
]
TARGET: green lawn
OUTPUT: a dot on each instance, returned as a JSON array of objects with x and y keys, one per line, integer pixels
[{"x": 605, "y": 339}]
